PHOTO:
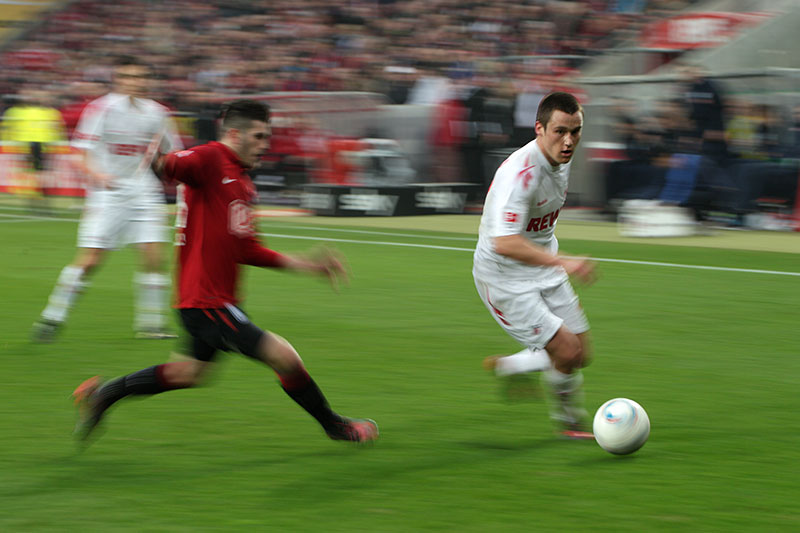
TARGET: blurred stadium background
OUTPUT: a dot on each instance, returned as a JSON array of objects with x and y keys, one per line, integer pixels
[
  {"x": 406, "y": 107},
  {"x": 388, "y": 93}
]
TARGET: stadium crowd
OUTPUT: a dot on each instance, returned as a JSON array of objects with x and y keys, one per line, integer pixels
[
  {"x": 224, "y": 47},
  {"x": 482, "y": 62}
]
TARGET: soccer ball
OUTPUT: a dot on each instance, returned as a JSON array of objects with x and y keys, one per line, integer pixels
[{"x": 621, "y": 426}]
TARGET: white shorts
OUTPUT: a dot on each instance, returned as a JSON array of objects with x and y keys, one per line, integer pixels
[
  {"x": 112, "y": 219},
  {"x": 530, "y": 312}
]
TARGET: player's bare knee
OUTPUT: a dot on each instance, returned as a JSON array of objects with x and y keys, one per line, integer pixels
[
  {"x": 278, "y": 353},
  {"x": 567, "y": 352}
]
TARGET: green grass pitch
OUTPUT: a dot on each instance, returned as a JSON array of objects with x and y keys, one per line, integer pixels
[{"x": 711, "y": 354}]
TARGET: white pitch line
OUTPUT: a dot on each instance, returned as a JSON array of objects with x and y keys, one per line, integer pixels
[
  {"x": 697, "y": 267},
  {"x": 390, "y": 234},
  {"x": 31, "y": 218},
  {"x": 598, "y": 259},
  {"x": 382, "y": 243}
]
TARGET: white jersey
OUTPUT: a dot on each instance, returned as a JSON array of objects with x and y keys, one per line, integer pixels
[
  {"x": 525, "y": 198},
  {"x": 116, "y": 132}
]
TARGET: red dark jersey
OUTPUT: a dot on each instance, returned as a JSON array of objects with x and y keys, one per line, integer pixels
[{"x": 215, "y": 231}]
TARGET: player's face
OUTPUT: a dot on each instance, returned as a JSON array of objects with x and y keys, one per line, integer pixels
[
  {"x": 132, "y": 80},
  {"x": 560, "y": 137},
  {"x": 253, "y": 142}
]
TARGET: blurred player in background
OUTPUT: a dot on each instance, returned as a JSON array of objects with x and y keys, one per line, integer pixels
[
  {"x": 118, "y": 134},
  {"x": 519, "y": 275},
  {"x": 33, "y": 130},
  {"x": 216, "y": 235}
]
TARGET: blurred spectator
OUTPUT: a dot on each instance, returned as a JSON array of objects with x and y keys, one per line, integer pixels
[
  {"x": 741, "y": 131},
  {"x": 706, "y": 112},
  {"x": 640, "y": 173},
  {"x": 430, "y": 87},
  {"x": 32, "y": 130},
  {"x": 398, "y": 84},
  {"x": 765, "y": 170},
  {"x": 449, "y": 121},
  {"x": 489, "y": 112}
]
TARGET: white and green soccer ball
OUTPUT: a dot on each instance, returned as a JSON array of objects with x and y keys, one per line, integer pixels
[{"x": 621, "y": 426}]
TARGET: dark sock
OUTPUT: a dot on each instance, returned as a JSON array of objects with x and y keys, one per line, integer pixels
[
  {"x": 144, "y": 382},
  {"x": 303, "y": 390}
]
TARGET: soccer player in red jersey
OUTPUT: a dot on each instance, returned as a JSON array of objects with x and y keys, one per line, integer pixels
[{"x": 215, "y": 235}]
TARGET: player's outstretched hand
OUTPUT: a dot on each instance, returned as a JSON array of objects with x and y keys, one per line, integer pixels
[
  {"x": 331, "y": 264},
  {"x": 580, "y": 268}
]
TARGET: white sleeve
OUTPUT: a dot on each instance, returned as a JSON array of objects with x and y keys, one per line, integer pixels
[
  {"x": 89, "y": 131},
  {"x": 511, "y": 199},
  {"x": 171, "y": 141}
]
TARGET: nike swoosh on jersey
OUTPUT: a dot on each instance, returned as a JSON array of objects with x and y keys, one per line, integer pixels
[
  {"x": 540, "y": 204},
  {"x": 226, "y": 180}
]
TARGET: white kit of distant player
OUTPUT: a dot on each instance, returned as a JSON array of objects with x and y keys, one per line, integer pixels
[
  {"x": 116, "y": 132},
  {"x": 118, "y": 136}
]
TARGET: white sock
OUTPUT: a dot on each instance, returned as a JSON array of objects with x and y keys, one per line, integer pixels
[
  {"x": 152, "y": 289},
  {"x": 567, "y": 396},
  {"x": 521, "y": 362},
  {"x": 69, "y": 285}
]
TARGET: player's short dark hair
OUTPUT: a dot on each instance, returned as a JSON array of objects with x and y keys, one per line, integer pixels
[
  {"x": 557, "y": 101},
  {"x": 240, "y": 113}
]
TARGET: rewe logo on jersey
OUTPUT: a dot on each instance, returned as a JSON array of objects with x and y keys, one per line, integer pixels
[{"x": 542, "y": 223}]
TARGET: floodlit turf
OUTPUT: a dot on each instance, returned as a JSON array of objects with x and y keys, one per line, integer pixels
[{"x": 711, "y": 354}]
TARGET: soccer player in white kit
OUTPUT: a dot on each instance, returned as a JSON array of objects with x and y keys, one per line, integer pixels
[
  {"x": 518, "y": 273},
  {"x": 118, "y": 135}
]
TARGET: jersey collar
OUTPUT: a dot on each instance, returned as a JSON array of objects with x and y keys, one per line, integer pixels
[{"x": 229, "y": 154}]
